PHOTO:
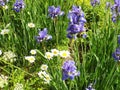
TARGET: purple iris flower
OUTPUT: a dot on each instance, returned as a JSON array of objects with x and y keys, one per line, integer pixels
[
  {"x": 18, "y": 5},
  {"x": 70, "y": 36},
  {"x": 114, "y": 18},
  {"x": 118, "y": 39},
  {"x": 115, "y": 9},
  {"x": 77, "y": 20},
  {"x": 69, "y": 70},
  {"x": 54, "y": 12},
  {"x": 116, "y": 54},
  {"x": 43, "y": 35},
  {"x": 2, "y": 2},
  {"x": 94, "y": 2},
  {"x": 90, "y": 87},
  {"x": 76, "y": 15},
  {"x": 117, "y": 2},
  {"x": 73, "y": 29}
]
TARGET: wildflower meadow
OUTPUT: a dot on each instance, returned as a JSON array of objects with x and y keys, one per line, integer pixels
[{"x": 59, "y": 44}]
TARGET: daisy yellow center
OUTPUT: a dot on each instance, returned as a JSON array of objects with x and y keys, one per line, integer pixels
[
  {"x": 64, "y": 54},
  {"x": 44, "y": 67},
  {"x": 33, "y": 52},
  {"x": 55, "y": 52},
  {"x": 47, "y": 78},
  {"x": 31, "y": 25},
  {"x": 48, "y": 56},
  {"x": 31, "y": 59}
]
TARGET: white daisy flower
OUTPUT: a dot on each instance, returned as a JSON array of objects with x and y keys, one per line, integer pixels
[
  {"x": 44, "y": 67},
  {"x": 31, "y": 25},
  {"x": 47, "y": 79},
  {"x": 9, "y": 56},
  {"x": 3, "y": 81},
  {"x": 18, "y": 86},
  {"x": 64, "y": 54},
  {"x": 5, "y": 31},
  {"x": 33, "y": 52},
  {"x": 55, "y": 52},
  {"x": 42, "y": 74},
  {"x": 31, "y": 59},
  {"x": 5, "y": 7},
  {"x": 48, "y": 55}
]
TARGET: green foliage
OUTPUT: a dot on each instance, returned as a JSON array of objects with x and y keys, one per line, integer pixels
[{"x": 93, "y": 55}]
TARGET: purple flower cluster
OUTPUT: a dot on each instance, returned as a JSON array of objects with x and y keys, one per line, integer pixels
[
  {"x": 18, "y": 5},
  {"x": 76, "y": 24},
  {"x": 94, "y": 2},
  {"x": 118, "y": 39},
  {"x": 54, "y": 12},
  {"x": 43, "y": 35},
  {"x": 69, "y": 70},
  {"x": 115, "y": 9},
  {"x": 116, "y": 54},
  {"x": 2, "y": 2}
]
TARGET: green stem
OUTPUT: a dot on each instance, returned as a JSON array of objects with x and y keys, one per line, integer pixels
[
  {"x": 71, "y": 85},
  {"x": 11, "y": 65},
  {"x": 43, "y": 46},
  {"x": 56, "y": 31}
]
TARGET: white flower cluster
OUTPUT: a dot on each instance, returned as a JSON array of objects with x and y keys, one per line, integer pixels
[
  {"x": 31, "y": 25},
  {"x": 18, "y": 86},
  {"x": 3, "y": 81},
  {"x": 55, "y": 52},
  {"x": 9, "y": 56},
  {"x": 5, "y": 7},
  {"x": 44, "y": 75},
  {"x": 4, "y": 31},
  {"x": 31, "y": 58}
]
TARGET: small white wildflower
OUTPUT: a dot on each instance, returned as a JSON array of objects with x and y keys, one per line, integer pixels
[
  {"x": 44, "y": 67},
  {"x": 5, "y": 7},
  {"x": 47, "y": 79},
  {"x": 48, "y": 55},
  {"x": 18, "y": 86},
  {"x": 3, "y": 81},
  {"x": 5, "y": 31},
  {"x": 31, "y": 25},
  {"x": 33, "y": 52},
  {"x": 55, "y": 52},
  {"x": 9, "y": 56},
  {"x": 64, "y": 54},
  {"x": 41, "y": 74},
  {"x": 0, "y": 52},
  {"x": 31, "y": 59}
]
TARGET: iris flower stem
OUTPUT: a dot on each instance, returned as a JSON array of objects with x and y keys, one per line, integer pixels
[
  {"x": 71, "y": 45},
  {"x": 70, "y": 85},
  {"x": 43, "y": 45},
  {"x": 56, "y": 32},
  {"x": 65, "y": 85}
]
